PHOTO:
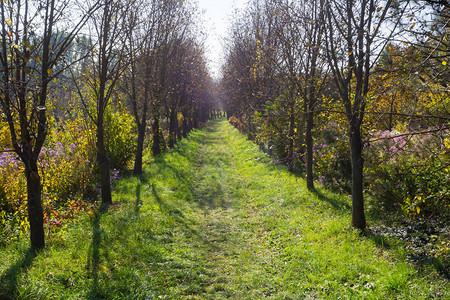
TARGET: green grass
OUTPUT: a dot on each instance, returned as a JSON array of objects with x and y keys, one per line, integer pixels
[{"x": 214, "y": 218}]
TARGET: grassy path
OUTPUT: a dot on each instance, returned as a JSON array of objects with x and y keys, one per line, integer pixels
[{"x": 215, "y": 219}]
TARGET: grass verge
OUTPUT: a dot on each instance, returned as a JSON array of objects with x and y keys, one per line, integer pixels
[{"x": 214, "y": 218}]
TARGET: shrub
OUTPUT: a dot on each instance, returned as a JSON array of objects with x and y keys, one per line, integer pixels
[
  {"x": 409, "y": 171},
  {"x": 120, "y": 138},
  {"x": 66, "y": 171},
  {"x": 332, "y": 160},
  {"x": 237, "y": 122}
]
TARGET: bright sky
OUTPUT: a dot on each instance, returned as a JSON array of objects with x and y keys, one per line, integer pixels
[{"x": 217, "y": 21}]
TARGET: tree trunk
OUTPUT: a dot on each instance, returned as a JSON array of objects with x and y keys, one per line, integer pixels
[
  {"x": 35, "y": 213},
  {"x": 250, "y": 133},
  {"x": 156, "y": 147},
  {"x": 172, "y": 128},
  {"x": 103, "y": 164},
  {"x": 185, "y": 127},
  {"x": 140, "y": 148},
  {"x": 196, "y": 121},
  {"x": 358, "y": 217},
  {"x": 290, "y": 158},
  {"x": 309, "y": 149},
  {"x": 190, "y": 125},
  {"x": 179, "y": 134}
]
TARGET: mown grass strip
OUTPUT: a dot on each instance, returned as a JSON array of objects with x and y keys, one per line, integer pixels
[{"x": 215, "y": 218}]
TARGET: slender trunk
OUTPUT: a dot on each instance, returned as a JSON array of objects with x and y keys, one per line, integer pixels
[
  {"x": 250, "y": 133},
  {"x": 185, "y": 127},
  {"x": 196, "y": 121},
  {"x": 102, "y": 102},
  {"x": 290, "y": 158},
  {"x": 309, "y": 149},
  {"x": 35, "y": 213},
  {"x": 178, "y": 130},
  {"x": 140, "y": 149},
  {"x": 302, "y": 134},
  {"x": 103, "y": 164},
  {"x": 156, "y": 147},
  {"x": 358, "y": 217},
  {"x": 172, "y": 128}
]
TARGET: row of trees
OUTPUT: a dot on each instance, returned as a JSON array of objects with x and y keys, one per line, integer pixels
[
  {"x": 292, "y": 64},
  {"x": 144, "y": 53}
]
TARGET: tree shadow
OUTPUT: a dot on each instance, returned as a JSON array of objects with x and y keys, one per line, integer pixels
[
  {"x": 173, "y": 212},
  {"x": 212, "y": 195},
  {"x": 181, "y": 175},
  {"x": 138, "y": 203},
  {"x": 415, "y": 249},
  {"x": 95, "y": 256},
  {"x": 170, "y": 210},
  {"x": 9, "y": 280},
  {"x": 337, "y": 204},
  {"x": 378, "y": 239}
]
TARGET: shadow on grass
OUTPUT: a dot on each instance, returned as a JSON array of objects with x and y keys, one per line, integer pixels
[
  {"x": 378, "y": 239},
  {"x": 422, "y": 259},
  {"x": 10, "y": 278},
  {"x": 181, "y": 174},
  {"x": 337, "y": 204},
  {"x": 167, "y": 208},
  {"x": 173, "y": 212},
  {"x": 138, "y": 203},
  {"x": 212, "y": 195},
  {"x": 94, "y": 259}
]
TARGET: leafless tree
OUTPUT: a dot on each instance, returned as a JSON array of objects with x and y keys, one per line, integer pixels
[
  {"x": 354, "y": 39},
  {"x": 300, "y": 35},
  {"x": 108, "y": 62},
  {"x": 31, "y": 47}
]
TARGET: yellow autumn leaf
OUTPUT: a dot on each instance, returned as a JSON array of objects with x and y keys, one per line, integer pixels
[
  {"x": 444, "y": 63},
  {"x": 447, "y": 143},
  {"x": 38, "y": 59},
  {"x": 8, "y": 21},
  {"x": 418, "y": 210},
  {"x": 49, "y": 71}
]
